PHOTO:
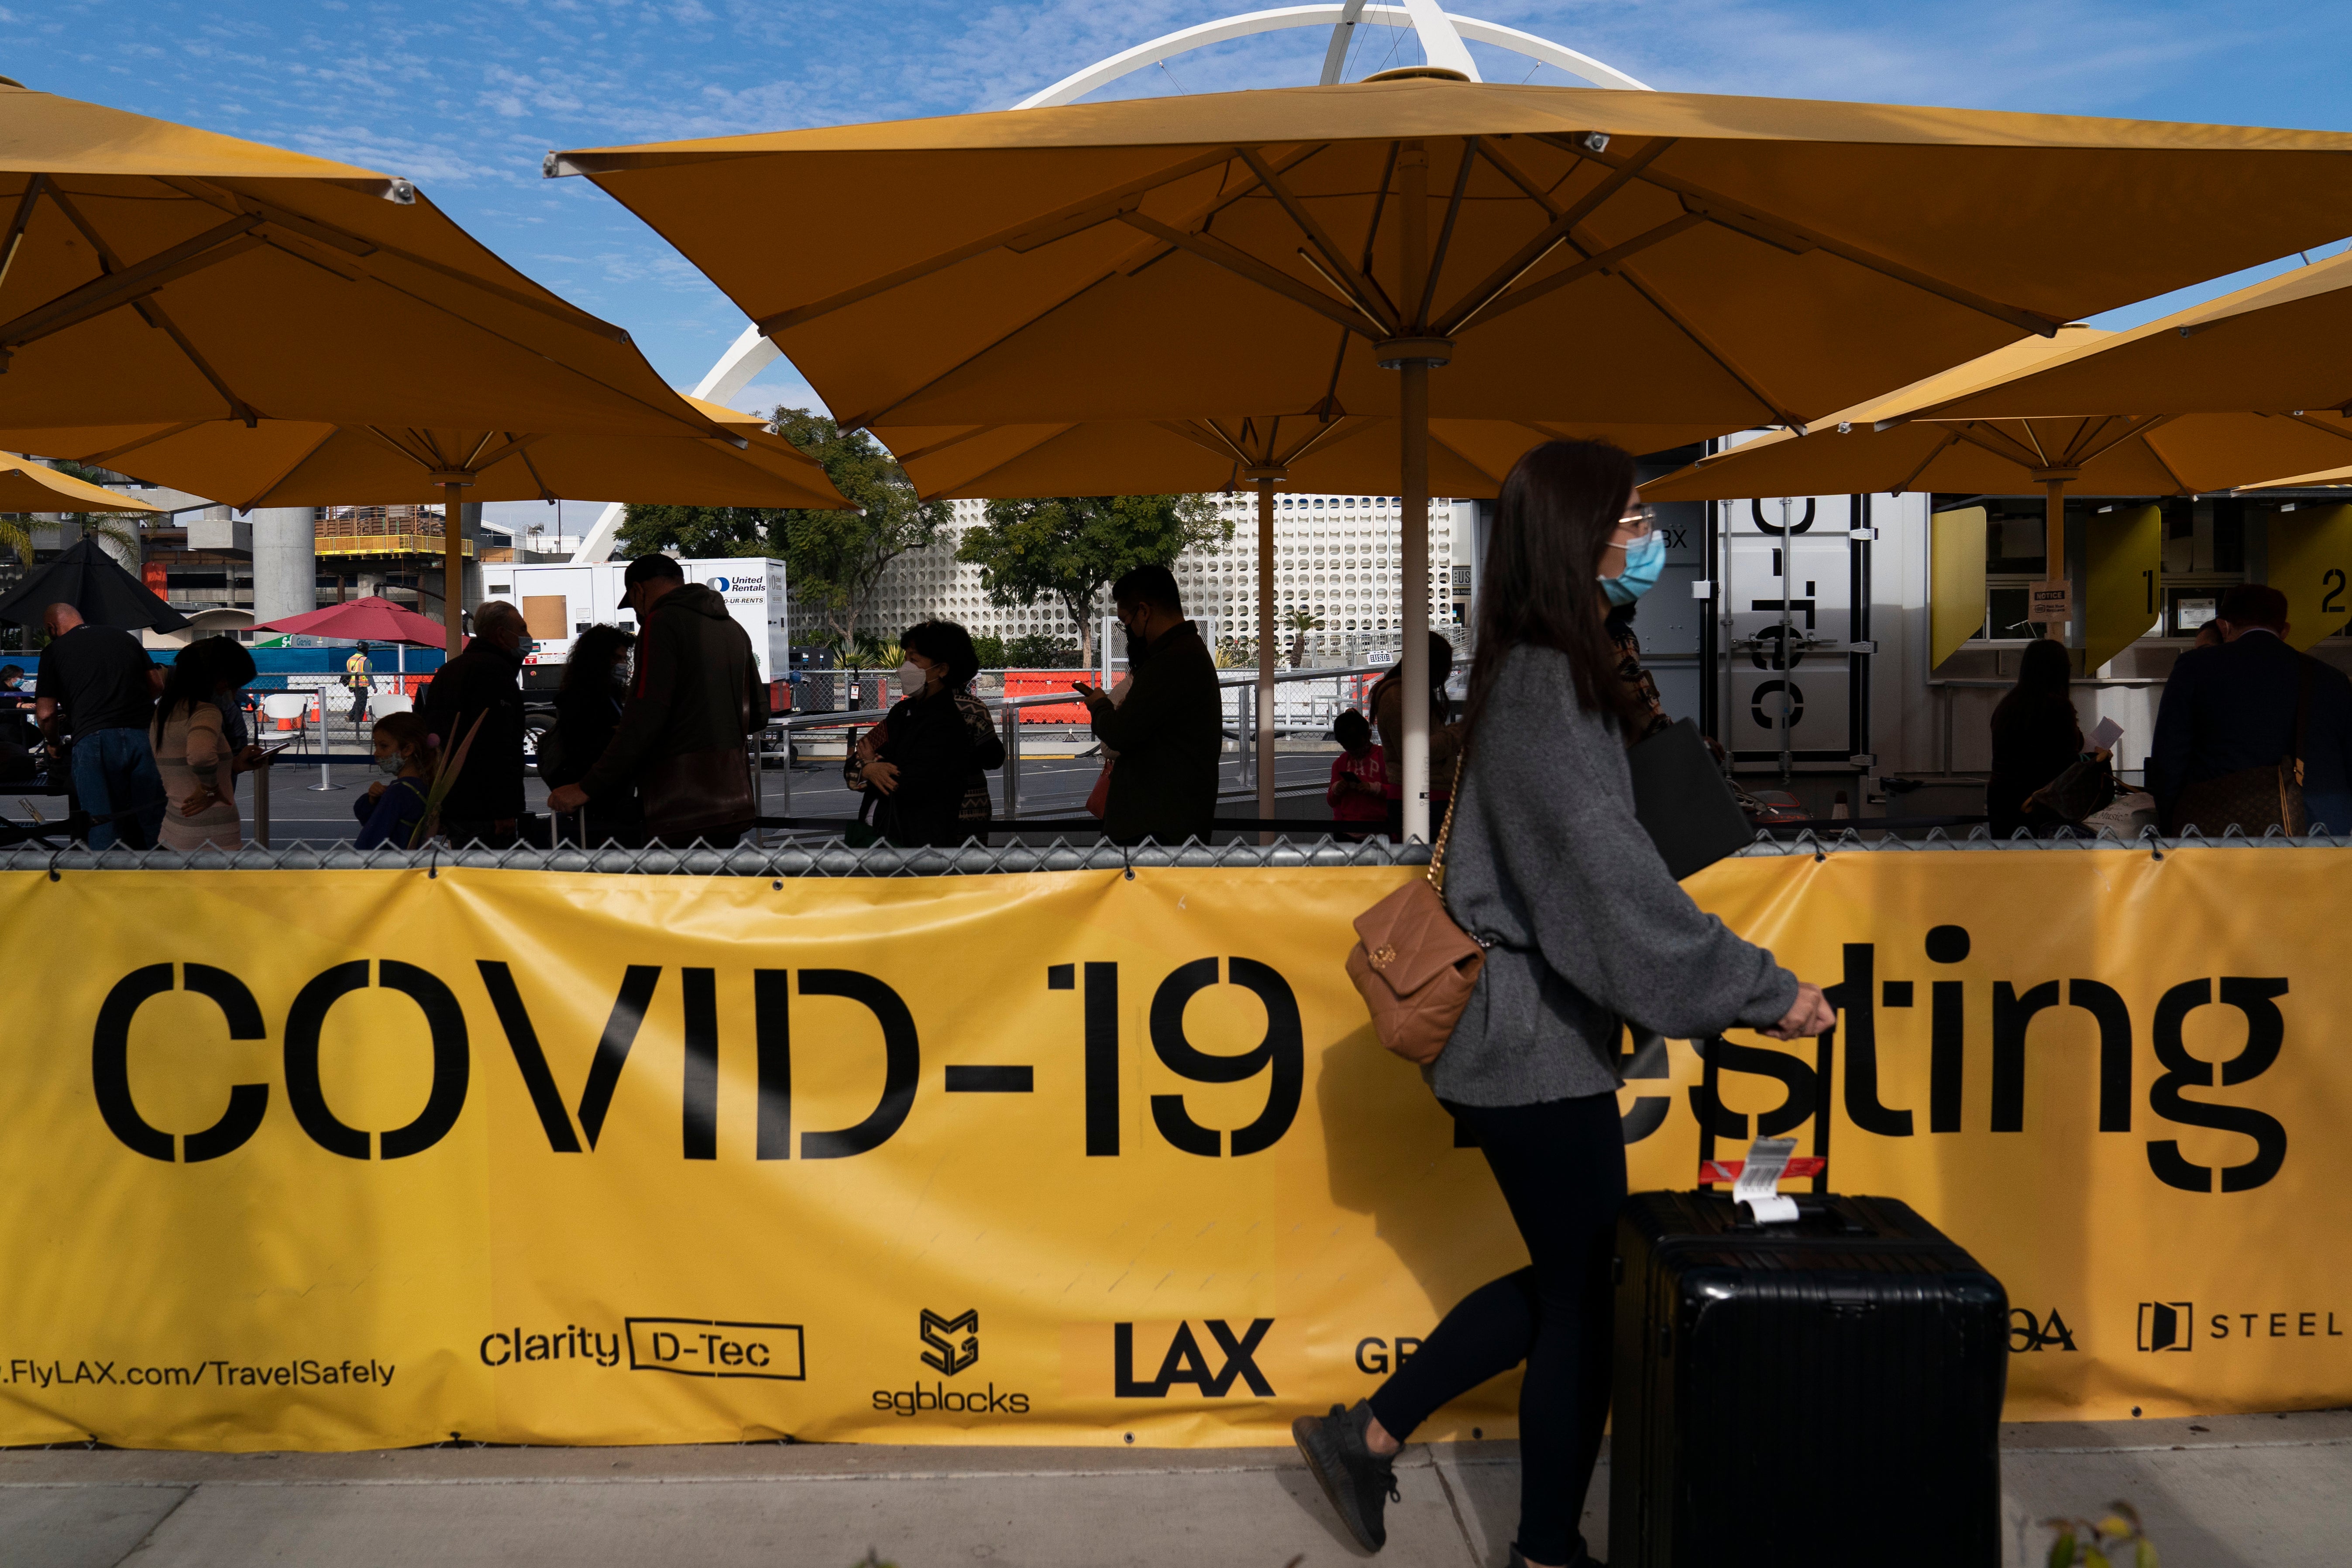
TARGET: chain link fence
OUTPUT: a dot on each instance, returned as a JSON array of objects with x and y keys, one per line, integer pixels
[{"x": 837, "y": 859}]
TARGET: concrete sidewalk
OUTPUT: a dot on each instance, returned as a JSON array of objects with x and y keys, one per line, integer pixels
[{"x": 2221, "y": 1491}]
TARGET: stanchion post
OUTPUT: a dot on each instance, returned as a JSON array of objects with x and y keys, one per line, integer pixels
[
  {"x": 1012, "y": 759},
  {"x": 326, "y": 780},
  {"x": 261, "y": 803}
]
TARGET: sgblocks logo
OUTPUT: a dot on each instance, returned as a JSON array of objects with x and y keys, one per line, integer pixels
[{"x": 952, "y": 1346}]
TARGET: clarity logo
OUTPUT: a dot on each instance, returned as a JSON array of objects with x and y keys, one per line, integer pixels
[{"x": 945, "y": 1355}]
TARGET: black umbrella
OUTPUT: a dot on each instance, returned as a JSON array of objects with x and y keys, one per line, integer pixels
[{"x": 94, "y": 582}]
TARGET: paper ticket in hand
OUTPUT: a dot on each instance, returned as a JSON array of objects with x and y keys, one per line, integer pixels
[{"x": 1759, "y": 1180}]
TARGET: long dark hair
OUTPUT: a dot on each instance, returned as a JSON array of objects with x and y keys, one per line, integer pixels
[
  {"x": 593, "y": 654},
  {"x": 2043, "y": 674},
  {"x": 203, "y": 668},
  {"x": 1558, "y": 511}
]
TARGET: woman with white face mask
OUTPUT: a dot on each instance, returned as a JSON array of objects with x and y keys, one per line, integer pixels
[{"x": 915, "y": 766}]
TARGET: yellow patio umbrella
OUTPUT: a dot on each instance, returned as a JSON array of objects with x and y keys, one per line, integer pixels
[
  {"x": 287, "y": 462},
  {"x": 27, "y": 485},
  {"x": 154, "y": 273},
  {"x": 1904, "y": 441},
  {"x": 1573, "y": 255},
  {"x": 284, "y": 462}
]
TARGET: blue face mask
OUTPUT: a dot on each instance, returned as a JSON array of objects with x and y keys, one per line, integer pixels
[{"x": 1645, "y": 559}]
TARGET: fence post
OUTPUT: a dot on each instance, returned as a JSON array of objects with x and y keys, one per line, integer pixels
[{"x": 261, "y": 803}]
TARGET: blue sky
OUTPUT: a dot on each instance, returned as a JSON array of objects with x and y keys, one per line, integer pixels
[{"x": 465, "y": 96}]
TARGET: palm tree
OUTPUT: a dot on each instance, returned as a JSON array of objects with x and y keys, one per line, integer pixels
[
  {"x": 1300, "y": 623},
  {"x": 120, "y": 529}
]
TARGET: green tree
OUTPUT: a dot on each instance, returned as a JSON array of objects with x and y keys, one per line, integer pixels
[
  {"x": 696, "y": 531},
  {"x": 834, "y": 559},
  {"x": 1069, "y": 548}
]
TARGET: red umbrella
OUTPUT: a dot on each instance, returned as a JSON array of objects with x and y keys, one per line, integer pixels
[{"x": 372, "y": 619}]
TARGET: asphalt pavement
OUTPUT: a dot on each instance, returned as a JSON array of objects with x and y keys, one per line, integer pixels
[{"x": 2237, "y": 1491}]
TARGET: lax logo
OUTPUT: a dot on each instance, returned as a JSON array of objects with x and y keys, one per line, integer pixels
[
  {"x": 1185, "y": 1363},
  {"x": 945, "y": 1356}
]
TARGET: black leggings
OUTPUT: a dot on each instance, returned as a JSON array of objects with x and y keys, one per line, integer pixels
[{"x": 1561, "y": 1166}]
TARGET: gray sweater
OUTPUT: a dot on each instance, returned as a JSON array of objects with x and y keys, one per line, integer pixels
[{"x": 1547, "y": 864}]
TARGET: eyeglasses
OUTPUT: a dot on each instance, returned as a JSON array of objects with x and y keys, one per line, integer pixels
[{"x": 1639, "y": 522}]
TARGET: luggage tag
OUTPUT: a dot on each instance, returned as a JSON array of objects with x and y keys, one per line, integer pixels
[{"x": 1759, "y": 1186}]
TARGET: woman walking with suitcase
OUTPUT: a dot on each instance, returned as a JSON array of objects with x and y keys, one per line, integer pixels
[{"x": 1584, "y": 928}]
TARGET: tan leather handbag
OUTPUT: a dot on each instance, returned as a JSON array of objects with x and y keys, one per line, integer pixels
[{"x": 1414, "y": 965}]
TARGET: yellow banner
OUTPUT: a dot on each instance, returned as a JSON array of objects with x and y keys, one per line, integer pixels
[{"x": 346, "y": 1158}]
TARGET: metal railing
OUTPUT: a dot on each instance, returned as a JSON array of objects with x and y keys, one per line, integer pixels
[{"x": 1309, "y": 712}]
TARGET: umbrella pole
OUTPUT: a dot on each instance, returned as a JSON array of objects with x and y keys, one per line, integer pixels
[
  {"x": 2053, "y": 531},
  {"x": 1412, "y": 420},
  {"x": 453, "y": 570},
  {"x": 1410, "y": 356},
  {"x": 1264, "y": 729}
]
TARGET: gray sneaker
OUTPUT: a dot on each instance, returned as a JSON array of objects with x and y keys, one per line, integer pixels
[{"x": 1359, "y": 1483}]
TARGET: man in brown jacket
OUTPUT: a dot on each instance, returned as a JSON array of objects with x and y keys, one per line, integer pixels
[{"x": 684, "y": 734}]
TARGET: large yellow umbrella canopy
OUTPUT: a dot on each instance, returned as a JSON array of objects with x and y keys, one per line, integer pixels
[
  {"x": 158, "y": 272},
  {"x": 1889, "y": 444},
  {"x": 285, "y": 462},
  {"x": 1349, "y": 453},
  {"x": 36, "y": 487},
  {"x": 2233, "y": 391},
  {"x": 1570, "y": 254},
  {"x": 155, "y": 275}
]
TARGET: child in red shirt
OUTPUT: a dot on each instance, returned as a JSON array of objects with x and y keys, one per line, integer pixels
[{"x": 1358, "y": 790}]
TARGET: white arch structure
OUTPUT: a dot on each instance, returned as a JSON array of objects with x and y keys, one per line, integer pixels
[
  {"x": 1442, "y": 36},
  {"x": 1442, "y": 39}
]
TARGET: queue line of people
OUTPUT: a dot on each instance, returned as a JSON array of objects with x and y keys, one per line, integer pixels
[{"x": 2250, "y": 732}]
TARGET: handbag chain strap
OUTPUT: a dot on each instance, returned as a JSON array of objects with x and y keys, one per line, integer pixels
[{"x": 1437, "y": 850}]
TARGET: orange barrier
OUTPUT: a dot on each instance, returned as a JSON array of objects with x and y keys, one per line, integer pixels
[{"x": 1039, "y": 683}]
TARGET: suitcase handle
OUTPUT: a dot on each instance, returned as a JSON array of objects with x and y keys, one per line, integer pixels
[{"x": 1711, "y": 1102}]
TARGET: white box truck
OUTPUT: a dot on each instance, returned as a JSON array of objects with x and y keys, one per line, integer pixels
[{"x": 559, "y": 601}]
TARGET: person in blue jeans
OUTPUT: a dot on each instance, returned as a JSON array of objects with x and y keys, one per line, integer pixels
[{"x": 105, "y": 685}]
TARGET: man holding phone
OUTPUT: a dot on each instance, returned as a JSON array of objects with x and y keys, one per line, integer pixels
[{"x": 1168, "y": 730}]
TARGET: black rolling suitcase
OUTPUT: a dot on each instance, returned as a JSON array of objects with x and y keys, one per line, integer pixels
[{"x": 1801, "y": 1392}]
